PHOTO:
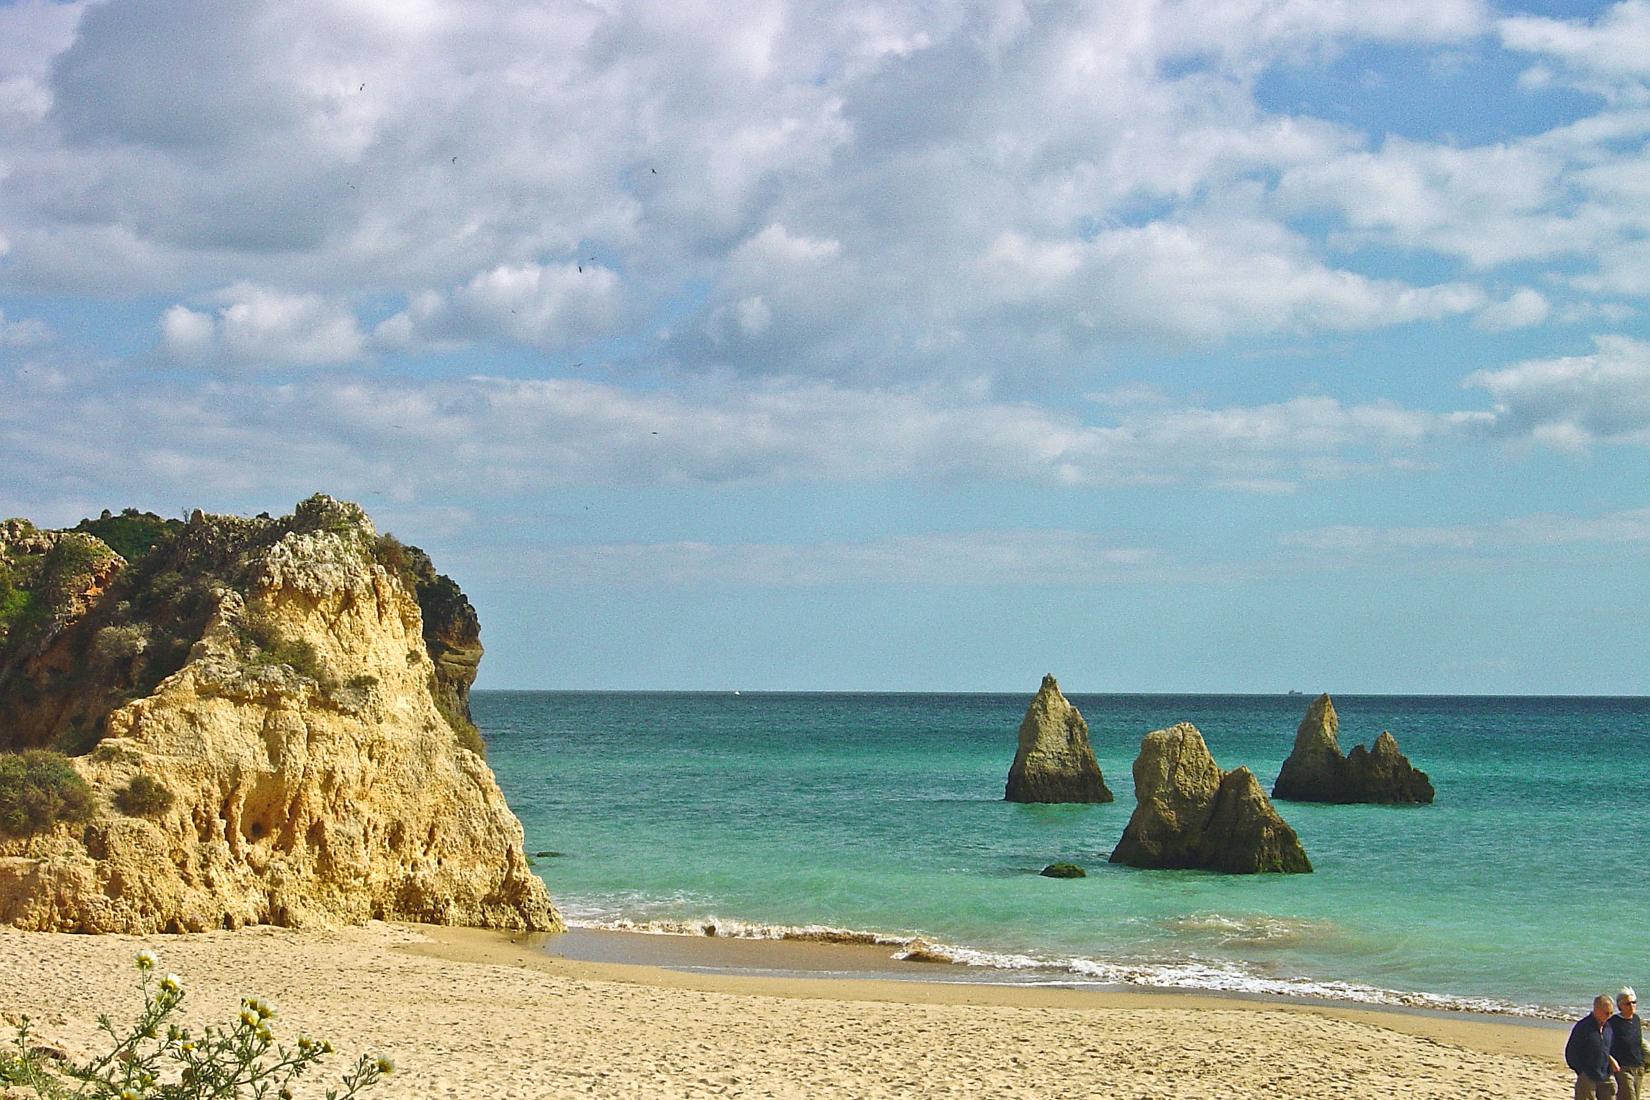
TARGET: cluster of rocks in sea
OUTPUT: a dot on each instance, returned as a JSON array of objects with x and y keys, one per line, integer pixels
[
  {"x": 1316, "y": 770},
  {"x": 1188, "y": 812}
]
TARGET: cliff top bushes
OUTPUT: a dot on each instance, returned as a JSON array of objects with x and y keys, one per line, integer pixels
[{"x": 132, "y": 534}]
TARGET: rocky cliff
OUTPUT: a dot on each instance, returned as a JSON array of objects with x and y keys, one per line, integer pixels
[
  {"x": 1317, "y": 772},
  {"x": 1190, "y": 814},
  {"x": 1054, "y": 761},
  {"x": 289, "y": 695}
]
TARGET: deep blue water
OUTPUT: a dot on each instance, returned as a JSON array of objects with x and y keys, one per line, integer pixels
[{"x": 1521, "y": 886}]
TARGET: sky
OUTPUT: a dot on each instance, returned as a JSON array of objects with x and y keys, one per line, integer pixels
[{"x": 1229, "y": 345}]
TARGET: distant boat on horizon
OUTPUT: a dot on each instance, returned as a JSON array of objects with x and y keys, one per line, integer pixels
[{"x": 1292, "y": 691}]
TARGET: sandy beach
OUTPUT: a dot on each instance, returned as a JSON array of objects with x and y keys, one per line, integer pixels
[{"x": 465, "y": 1013}]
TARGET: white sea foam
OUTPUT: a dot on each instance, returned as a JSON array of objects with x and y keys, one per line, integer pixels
[
  {"x": 1252, "y": 929},
  {"x": 1191, "y": 973}
]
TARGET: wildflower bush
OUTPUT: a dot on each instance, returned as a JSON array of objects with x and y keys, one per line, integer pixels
[{"x": 154, "y": 1059}]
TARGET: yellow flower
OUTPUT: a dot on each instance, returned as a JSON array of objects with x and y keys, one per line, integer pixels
[
  {"x": 249, "y": 1018},
  {"x": 172, "y": 983},
  {"x": 385, "y": 1066},
  {"x": 146, "y": 959}
]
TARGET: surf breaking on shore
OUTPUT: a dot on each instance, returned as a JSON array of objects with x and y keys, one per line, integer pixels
[{"x": 1191, "y": 973}]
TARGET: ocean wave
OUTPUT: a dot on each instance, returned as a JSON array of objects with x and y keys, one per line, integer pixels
[
  {"x": 1251, "y": 930},
  {"x": 1031, "y": 968}
]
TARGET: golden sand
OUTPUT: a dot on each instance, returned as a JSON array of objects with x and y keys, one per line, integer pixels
[{"x": 478, "y": 1014}]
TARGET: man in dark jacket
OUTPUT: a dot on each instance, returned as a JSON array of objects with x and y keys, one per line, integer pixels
[
  {"x": 1588, "y": 1053},
  {"x": 1627, "y": 1044}
]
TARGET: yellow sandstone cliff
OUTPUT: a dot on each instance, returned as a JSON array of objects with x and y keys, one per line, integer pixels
[{"x": 275, "y": 678}]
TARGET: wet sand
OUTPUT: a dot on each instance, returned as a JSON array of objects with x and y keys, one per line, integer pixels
[{"x": 466, "y": 1013}]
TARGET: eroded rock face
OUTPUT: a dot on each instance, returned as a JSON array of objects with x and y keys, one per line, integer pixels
[
  {"x": 1190, "y": 814},
  {"x": 1316, "y": 771},
  {"x": 293, "y": 716},
  {"x": 1054, "y": 761}
]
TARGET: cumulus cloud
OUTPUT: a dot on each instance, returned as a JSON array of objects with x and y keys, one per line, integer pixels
[
  {"x": 1610, "y": 50},
  {"x": 1521, "y": 309},
  {"x": 545, "y": 306},
  {"x": 452, "y": 159},
  {"x": 1208, "y": 282},
  {"x": 1574, "y": 401},
  {"x": 257, "y": 326}
]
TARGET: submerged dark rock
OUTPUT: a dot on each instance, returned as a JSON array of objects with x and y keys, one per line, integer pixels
[
  {"x": 1316, "y": 771},
  {"x": 1190, "y": 814},
  {"x": 1054, "y": 761},
  {"x": 1063, "y": 870}
]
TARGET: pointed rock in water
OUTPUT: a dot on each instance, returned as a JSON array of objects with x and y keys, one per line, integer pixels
[
  {"x": 1054, "y": 762},
  {"x": 1316, "y": 763},
  {"x": 1317, "y": 772},
  {"x": 1189, "y": 814},
  {"x": 1386, "y": 775}
]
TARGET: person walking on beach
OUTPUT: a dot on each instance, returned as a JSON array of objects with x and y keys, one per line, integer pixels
[
  {"x": 1627, "y": 1044},
  {"x": 1588, "y": 1052}
]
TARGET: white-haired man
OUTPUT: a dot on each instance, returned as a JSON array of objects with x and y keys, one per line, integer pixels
[
  {"x": 1627, "y": 1044},
  {"x": 1588, "y": 1052}
]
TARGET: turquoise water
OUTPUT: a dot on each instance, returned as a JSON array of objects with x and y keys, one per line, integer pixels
[{"x": 1521, "y": 889}]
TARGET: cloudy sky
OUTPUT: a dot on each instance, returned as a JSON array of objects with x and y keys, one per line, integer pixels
[{"x": 1167, "y": 345}]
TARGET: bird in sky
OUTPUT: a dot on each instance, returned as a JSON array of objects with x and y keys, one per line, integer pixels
[{"x": 362, "y": 88}]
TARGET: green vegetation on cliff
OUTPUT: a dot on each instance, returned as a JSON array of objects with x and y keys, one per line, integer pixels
[
  {"x": 132, "y": 534},
  {"x": 98, "y": 615},
  {"x": 38, "y": 789}
]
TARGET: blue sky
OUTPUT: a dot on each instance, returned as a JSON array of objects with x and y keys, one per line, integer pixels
[{"x": 1166, "y": 346}]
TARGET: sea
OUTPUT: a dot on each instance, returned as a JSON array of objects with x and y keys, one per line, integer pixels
[{"x": 880, "y": 817}]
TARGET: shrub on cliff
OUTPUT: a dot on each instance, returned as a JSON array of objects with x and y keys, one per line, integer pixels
[
  {"x": 160, "y": 1060},
  {"x": 38, "y": 789},
  {"x": 143, "y": 797},
  {"x": 274, "y": 648},
  {"x": 132, "y": 534}
]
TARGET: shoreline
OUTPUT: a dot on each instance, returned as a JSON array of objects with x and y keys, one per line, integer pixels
[
  {"x": 681, "y": 943},
  {"x": 481, "y": 1015},
  {"x": 863, "y": 972}
]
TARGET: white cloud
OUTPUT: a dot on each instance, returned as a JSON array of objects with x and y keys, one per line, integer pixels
[
  {"x": 968, "y": 558},
  {"x": 257, "y": 326},
  {"x": 546, "y": 306},
  {"x": 774, "y": 171},
  {"x": 1549, "y": 531},
  {"x": 1205, "y": 282},
  {"x": 1614, "y": 46},
  {"x": 409, "y": 439},
  {"x": 27, "y": 333},
  {"x": 1575, "y": 401},
  {"x": 1522, "y": 309}
]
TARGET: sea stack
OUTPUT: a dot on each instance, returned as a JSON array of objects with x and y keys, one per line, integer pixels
[
  {"x": 1190, "y": 814},
  {"x": 1054, "y": 762},
  {"x": 1316, "y": 771},
  {"x": 272, "y": 717}
]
